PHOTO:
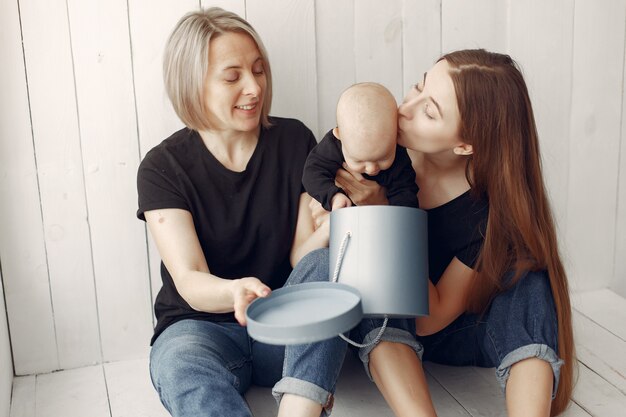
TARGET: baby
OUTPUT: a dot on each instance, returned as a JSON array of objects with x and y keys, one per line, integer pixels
[{"x": 365, "y": 139}]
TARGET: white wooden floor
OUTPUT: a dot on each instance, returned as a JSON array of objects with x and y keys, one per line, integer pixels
[{"x": 123, "y": 389}]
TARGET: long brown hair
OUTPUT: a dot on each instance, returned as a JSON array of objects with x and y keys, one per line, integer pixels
[{"x": 505, "y": 168}]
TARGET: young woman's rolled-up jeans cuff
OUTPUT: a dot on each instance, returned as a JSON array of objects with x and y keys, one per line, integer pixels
[
  {"x": 290, "y": 385},
  {"x": 391, "y": 334},
  {"x": 539, "y": 351}
]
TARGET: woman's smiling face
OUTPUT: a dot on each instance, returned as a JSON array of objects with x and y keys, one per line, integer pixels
[
  {"x": 429, "y": 118},
  {"x": 235, "y": 83}
]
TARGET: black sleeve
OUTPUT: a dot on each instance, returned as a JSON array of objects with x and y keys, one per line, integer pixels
[
  {"x": 320, "y": 169},
  {"x": 475, "y": 222},
  {"x": 469, "y": 254},
  {"x": 399, "y": 181},
  {"x": 156, "y": 184}
]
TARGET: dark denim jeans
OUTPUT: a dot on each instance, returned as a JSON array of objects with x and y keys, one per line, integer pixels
[
  {"x": 202, "y": 368},
  {"x": 298, "y": 364},
  {"x": 519, "y": 324}
]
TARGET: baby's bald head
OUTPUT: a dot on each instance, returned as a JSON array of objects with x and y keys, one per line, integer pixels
[{"x": 367, "y": 118}]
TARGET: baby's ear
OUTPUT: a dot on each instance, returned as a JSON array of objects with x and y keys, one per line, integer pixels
[
  {"x": 336, "y": 132},
  {"x": 463, "y": 149}
]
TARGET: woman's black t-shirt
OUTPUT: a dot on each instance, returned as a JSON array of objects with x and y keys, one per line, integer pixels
[
  {"x": 455, "y": 229},
  {"x": 245, "y": 221}
]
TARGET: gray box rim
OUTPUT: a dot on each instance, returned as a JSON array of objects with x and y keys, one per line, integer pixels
[{"x": 318, "y": 330}]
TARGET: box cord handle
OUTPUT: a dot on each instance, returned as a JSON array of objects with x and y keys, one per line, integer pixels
[{"x": 342, "y": 250}]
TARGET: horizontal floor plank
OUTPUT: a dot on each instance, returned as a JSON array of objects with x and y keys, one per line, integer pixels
[
  {"x": 600, "y": 350},
  {"x": 23, "y": 398},
  {"x": 575, "y": 410},
  {"x": 596, "y": 396},
  {"x": 604, "y": 307},
  {"x": 476, "y": 389},
  {"x": 131, "y": 393},
  {"x": 74, "y": 393}
]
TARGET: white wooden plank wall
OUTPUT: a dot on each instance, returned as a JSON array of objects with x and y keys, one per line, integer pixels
[
  {"x": 57, "y": 143},
  {"x": 618, "y": 283},
  {"x": 421, "y": 38},
  {"x": 287, "y": 28},
  {"x": 549, "y": 83},
  {"x": 83, "y": 102},
  {"x": 595, "y": 129},
  {"x": 22, "y": 246}
]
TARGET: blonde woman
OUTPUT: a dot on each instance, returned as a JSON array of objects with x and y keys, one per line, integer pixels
[{"x": 224, "y": 203}]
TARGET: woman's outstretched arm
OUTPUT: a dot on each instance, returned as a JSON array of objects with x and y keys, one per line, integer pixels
[{"x": 174, "y": 234}]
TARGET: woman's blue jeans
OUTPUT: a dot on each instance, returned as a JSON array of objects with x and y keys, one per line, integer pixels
[
  {"x": 202, "y": 368},
  {"x": 520, "y": 323}
]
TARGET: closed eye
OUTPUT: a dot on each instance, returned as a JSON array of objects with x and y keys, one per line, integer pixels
[
  {"x": 231, "y": 76},
  {"x": 427, "y": 111}
]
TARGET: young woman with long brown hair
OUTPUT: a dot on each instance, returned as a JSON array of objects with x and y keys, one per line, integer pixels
[{"x": 498, "y": 292}]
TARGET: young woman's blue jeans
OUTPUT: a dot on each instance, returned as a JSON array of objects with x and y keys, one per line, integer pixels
[
  {"x": 519, "y": 324},
  {"x": 202, "y": 368}
]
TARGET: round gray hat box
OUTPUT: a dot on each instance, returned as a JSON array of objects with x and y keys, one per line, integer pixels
[
  {"x": 383, "y": 272},
  {"x": 385, "y": 258}
]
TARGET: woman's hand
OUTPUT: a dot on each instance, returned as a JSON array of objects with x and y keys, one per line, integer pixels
[
  {"x": 245, "y": 290},
  {"x": 319, "y": 214},
  {"x": 362, "y": 192}
]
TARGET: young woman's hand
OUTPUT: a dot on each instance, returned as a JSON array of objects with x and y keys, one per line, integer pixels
[
  {"x": 362, "y": 192},
  {"x": 245, "y": 290},
  {"x": 319, "y": 214}
]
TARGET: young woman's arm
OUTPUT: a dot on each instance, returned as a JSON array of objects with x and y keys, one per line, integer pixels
[
  {"x": 309, "y": 236},
  {"x": 174, "y": 234},
  {"x": 447, "y": 300}
]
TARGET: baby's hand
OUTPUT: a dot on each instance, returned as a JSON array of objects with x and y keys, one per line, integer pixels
[{"x": 340, "y": 201}]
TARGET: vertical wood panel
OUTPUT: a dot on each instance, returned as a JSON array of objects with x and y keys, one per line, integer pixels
[
  {"x": 618, "y": 283},
  {"x": 287, "y": 29},
  {"x": 594, "y": 141},
  {"x": 421, "y": 39},
  {"x": 108, "y": 131},
  {"x": 50, "y": 71},
  {"x": 378, "y": 44},
  {"x": 334, "y": 30},
  {"x": 545, "y": 55},
  {"x": 55, "y": 130},
  {"x": 151, "y": 22},
  {"x": 6, "y": 361},
  {"x": 22, "y": 245},
  {"x": 474, "y": 24}
]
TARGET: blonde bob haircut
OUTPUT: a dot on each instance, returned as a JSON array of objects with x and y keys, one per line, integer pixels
[{"x": 186, "y": 60}]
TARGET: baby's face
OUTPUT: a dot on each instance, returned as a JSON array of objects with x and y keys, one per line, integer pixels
[{"x": 368, "y": 155}]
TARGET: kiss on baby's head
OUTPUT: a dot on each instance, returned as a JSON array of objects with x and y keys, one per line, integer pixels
[{"x": 367, "y": 118}]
